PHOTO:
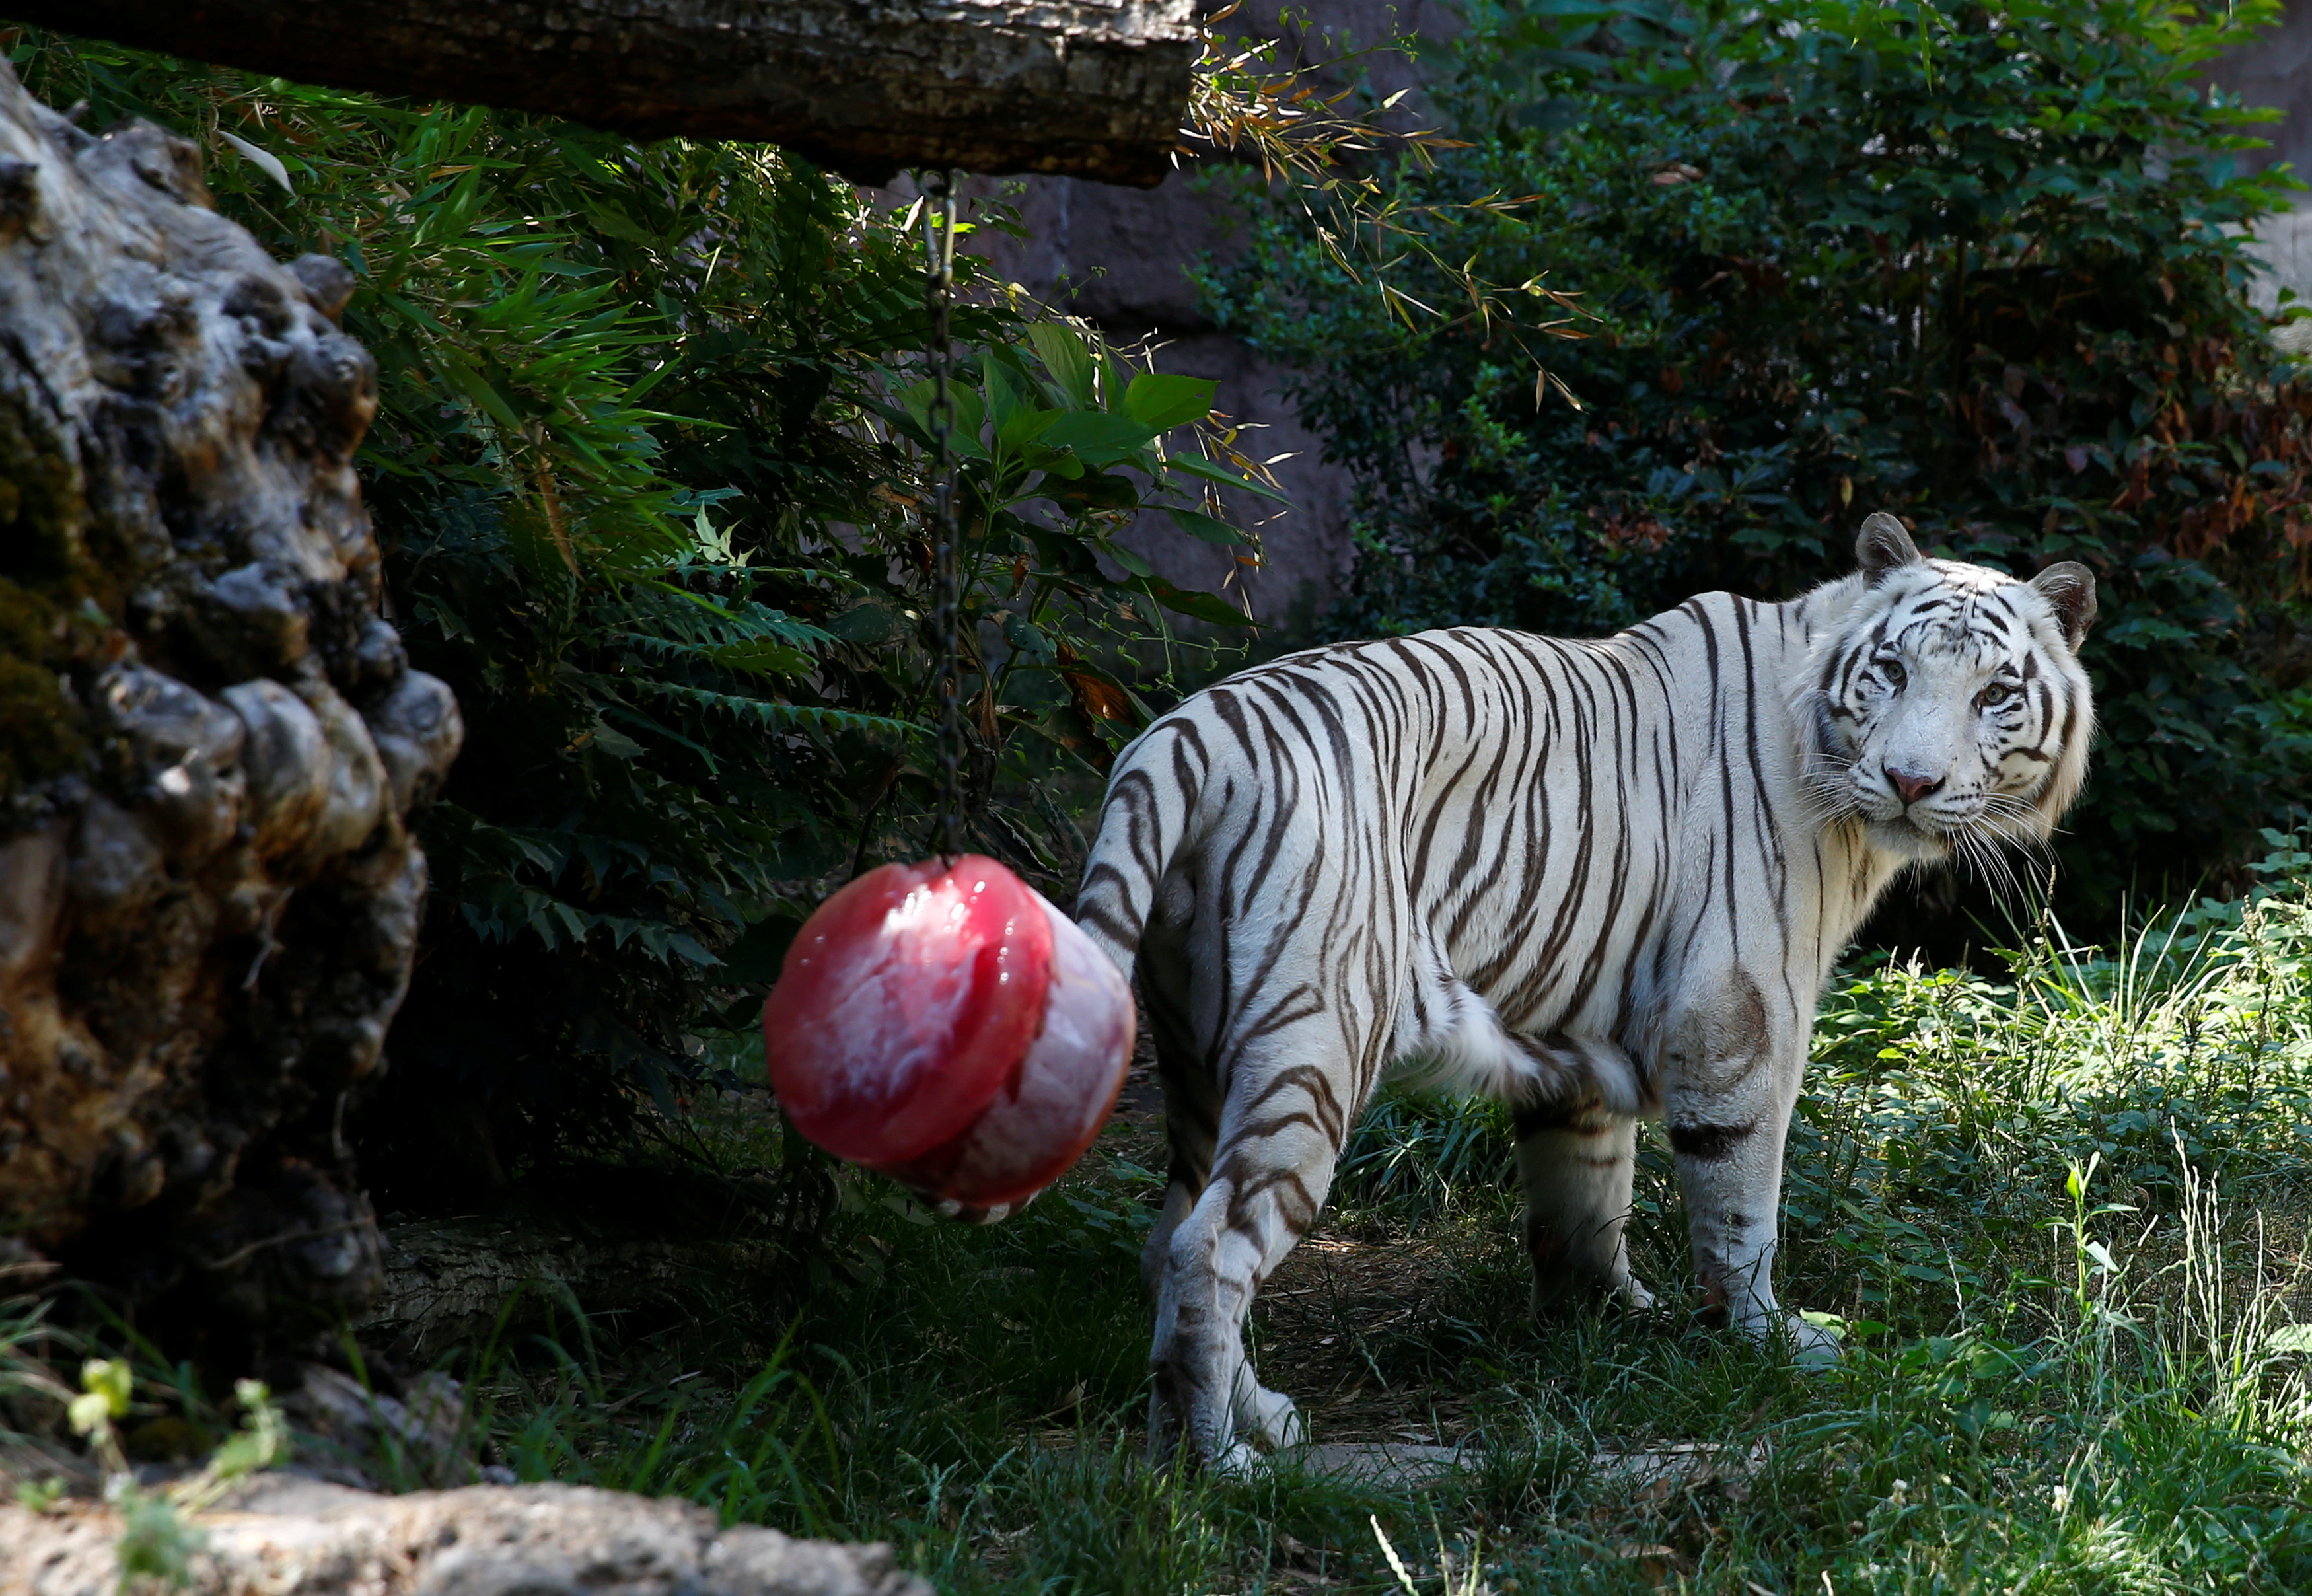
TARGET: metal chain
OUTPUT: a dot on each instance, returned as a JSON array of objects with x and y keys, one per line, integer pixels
[{"x": 939, "y": 293}]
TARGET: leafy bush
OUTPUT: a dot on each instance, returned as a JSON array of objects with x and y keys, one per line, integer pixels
[
  {"x": 649, "y": 467},
  {"x": 1980, "y": 266},
  {"x": 2189, "y": 1045}
]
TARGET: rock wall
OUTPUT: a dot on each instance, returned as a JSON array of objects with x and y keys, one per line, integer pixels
[
  {"x": 2276, "y": 72},
  {"x": 1120, "y": 258},
  {"x": 211, "y": 747}
]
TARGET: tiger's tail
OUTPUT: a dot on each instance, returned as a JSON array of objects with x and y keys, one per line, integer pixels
[
  {"x": 1467, "y": 1051},
  {"x": 1152, "y": 808}
]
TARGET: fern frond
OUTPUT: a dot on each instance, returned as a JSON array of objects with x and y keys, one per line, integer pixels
[{"x": 772, "y": 715}]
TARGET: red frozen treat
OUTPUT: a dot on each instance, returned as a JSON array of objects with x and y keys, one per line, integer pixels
[
  {"x": 946, "y": 1025},
  {"x": 1053, "y": 1105}
]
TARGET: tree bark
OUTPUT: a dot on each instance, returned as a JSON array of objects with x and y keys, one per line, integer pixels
[
  {"x": 1085, "y": 88},
  {"x": 211, "y": 748}
]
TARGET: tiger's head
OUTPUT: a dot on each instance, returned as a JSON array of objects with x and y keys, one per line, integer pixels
[{"x": 1947, "y": 708}]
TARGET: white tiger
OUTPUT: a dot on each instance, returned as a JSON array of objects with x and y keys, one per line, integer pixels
[{"x": 1602, "y": 879}]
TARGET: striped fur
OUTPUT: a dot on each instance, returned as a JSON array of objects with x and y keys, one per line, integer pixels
[{"x": 1601, "y": 879}]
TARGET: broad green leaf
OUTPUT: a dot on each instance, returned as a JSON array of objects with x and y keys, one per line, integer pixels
[
  {"x": 969, "y": 415},
  {"x": 614, "y": 742},
  {"x": 1006, "y": 394},
  {"x": 1092, "y": 490},
  {"x": 1097, "y": 437},
  {"x": 1027, "y": 637},
  {"x": 1208, "y": 608},
  {"x": 1162, "y": 401},
  {"x": 1062, "y": 350},
  {"x": 1025, "y": 427},
  {"x": 867, "y": 624},
  {"x": 1212, "y": 529},
  {"x": 897, "y": 419}
]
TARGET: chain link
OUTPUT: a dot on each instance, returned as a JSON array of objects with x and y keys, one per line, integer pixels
[{"x": 938, "y": 294}]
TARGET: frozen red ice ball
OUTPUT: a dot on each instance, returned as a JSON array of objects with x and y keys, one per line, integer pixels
[
  {"x": 904, "y": 1003},
  {"x": 1052, "y": 1105},
  {"x": 946, "y": 1025}
]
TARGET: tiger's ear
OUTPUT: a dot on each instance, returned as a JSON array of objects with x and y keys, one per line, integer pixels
[
  {"x": 1882, "y": 545},
  {"x": 2070, "y": 588}
]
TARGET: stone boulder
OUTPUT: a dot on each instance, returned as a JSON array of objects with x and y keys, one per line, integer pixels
[{"x": 282, "y": 1535}]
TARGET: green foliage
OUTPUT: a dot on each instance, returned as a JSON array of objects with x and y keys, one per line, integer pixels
[
  {"x": 649, "y": 458},
  {"x": 1979, "y": 266},
  {"x": 159, "y": 1537},
  {"x": 2189, "y": 1048},
  {"x": 1414, "y": 1153}
]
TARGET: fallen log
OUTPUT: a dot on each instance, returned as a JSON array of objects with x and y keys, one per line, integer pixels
[{"x": 1080, "y": 88}]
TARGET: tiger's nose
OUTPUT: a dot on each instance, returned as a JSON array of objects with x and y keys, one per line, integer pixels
[{"x": 1912, "y": 785}]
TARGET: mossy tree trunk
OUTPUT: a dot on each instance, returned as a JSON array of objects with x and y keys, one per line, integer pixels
[{"x": 211, "y": 747}]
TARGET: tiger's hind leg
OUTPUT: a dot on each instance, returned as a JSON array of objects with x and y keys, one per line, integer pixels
[
  {"x": 1192, "y": 1118},
  {"x": 1272, "y": 1168},
  {"x": 1575, "y": 1159},
  {"x": 1192, "y": 1099}
]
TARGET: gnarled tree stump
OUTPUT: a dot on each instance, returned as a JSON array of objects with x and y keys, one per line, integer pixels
[{"x": 210, "y": 745}]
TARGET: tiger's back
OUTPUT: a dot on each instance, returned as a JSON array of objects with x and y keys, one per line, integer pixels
[{"x": 1602, "y": 879}]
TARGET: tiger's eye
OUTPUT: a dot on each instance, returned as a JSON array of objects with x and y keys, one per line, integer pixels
[
  {"x": 1892, "y": 670},
  {"x": 1996, "y": 693}
]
